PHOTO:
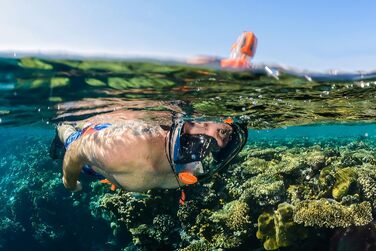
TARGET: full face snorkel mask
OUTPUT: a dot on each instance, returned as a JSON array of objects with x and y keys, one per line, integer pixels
[{"x": 195, "y": 157}]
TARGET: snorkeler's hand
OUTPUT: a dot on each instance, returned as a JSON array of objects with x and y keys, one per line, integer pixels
[
  {"x": 73, "y": 190},
  {"x": 78, "y": 187}
]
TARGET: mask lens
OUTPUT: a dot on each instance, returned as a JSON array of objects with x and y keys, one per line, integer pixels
[{"x": 196, "y": 147}]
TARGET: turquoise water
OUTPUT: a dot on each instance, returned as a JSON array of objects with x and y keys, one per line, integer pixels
[
  {"x": 316, "y": 131},
  {"x": 297, "y": 127}
]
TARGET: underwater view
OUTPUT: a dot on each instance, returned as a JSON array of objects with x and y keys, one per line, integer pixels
[{"x": 305, "y": 179}]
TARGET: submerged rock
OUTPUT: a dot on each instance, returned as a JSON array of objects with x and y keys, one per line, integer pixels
[{"x": 362, "y": 238}]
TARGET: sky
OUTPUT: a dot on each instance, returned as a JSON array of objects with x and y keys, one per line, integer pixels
[{"x": 312, "y": 35}]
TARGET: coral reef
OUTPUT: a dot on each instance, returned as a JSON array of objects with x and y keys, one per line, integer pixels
[
  {"x": 263, "y": 190},
  {"x": 331, "y": 214},
  {"x": 198, "y": 246},
  {"x": 367, "y": 184},
  {"x": 38, "y": 211},
  {"x": 226, "y": 228}
]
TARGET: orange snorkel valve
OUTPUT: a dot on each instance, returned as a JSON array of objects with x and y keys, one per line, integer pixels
[
  {"x": 187, "y": 178},
  {"x": 188, "y": 175},
  {"x": 228, "y": 121}
]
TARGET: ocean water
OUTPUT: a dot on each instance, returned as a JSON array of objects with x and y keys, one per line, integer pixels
[{"x": 305, "y": 178}]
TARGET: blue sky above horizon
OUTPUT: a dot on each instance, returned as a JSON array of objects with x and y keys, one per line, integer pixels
[{"x": 315, "y": 35}]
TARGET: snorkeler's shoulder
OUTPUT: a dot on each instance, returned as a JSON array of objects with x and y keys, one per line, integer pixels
[{"x": 139, "y": 127}]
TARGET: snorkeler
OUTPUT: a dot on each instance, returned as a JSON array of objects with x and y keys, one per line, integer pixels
[{"x": 138, "y": 151}]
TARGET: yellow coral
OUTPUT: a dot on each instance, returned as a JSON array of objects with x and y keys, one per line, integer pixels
[
  {"x": 266, "y": 231},
  {"x": 344, "y": 179},
  {"x": 198, "y": 246},
  {"x": 278, "y": 229},
  {"x": 234, "y": 214}
]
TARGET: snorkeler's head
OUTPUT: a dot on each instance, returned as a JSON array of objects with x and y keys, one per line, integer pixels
[{"x": 201, "y": 148}]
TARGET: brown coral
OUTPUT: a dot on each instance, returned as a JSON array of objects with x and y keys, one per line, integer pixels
[{"x": 331, "y": 214}]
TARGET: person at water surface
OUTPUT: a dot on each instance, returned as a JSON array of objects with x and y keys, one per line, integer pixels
[{"x": 138, "y": 151}]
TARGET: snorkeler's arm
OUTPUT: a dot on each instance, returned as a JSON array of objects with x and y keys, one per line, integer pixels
[{"x": 72, "y": 166}]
